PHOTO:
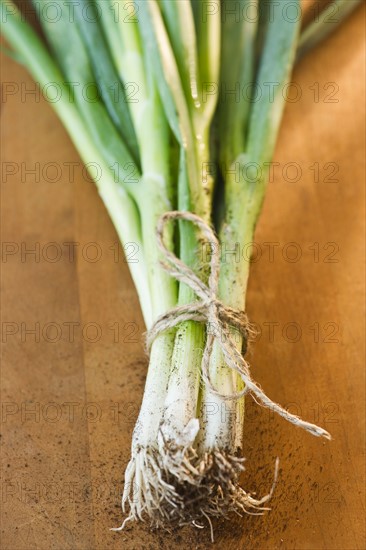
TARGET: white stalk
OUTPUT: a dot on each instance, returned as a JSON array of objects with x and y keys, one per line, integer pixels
[
  {"x": 181, "y": 423},
  {"x": 224, "y": 419}
]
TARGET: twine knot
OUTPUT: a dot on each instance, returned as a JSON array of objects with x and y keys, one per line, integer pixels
[{"x": 214, "y": 313}]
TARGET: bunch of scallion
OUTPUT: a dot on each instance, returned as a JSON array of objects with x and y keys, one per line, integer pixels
[{"x": 148, "y": 89}]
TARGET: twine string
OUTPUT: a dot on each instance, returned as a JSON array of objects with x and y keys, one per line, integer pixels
[{"x": 210, "y": 310}]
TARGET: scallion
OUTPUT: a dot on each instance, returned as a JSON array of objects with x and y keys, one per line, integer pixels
[{"x": 183, "y": 57}]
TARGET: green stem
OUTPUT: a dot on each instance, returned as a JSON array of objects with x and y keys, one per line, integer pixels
[
  {"x": 193, "y": 195},
  {"x": 152, "y": 133},
  {"x": 243, "y": 200}
]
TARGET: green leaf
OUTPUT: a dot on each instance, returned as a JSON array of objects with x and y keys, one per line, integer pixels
[
  {"x": 161, "y": 56},
  {"x": 109, "y": 22},
  {"x": 12, "y": 54},
  {"x": 244, "y": 191},
  {"x": 239, "y": 34},
  {"x": 180, "y": 25},
  {"x": 274, "y": 71},
  {"x": 207, "y": 16},
  {"x": 106, "y": 76},
  {"x": 64, "y": 38}
]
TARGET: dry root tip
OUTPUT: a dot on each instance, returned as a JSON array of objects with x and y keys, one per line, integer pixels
[{"x": 179, "y": 487}]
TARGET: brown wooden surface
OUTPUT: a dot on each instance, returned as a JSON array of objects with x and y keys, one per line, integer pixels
[{"x": 62, "y": 475}]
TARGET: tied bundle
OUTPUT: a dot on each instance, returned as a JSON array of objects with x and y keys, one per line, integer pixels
[{"x": 159, "y": 72}]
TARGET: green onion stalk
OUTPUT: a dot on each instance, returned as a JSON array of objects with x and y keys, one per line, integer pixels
[{"x": 182, "y": 58}]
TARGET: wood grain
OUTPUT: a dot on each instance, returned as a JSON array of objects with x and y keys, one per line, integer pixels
[{"x": 63, "y": 463}]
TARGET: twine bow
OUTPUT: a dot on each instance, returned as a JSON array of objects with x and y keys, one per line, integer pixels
[{"x": 210, "y": 310}]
